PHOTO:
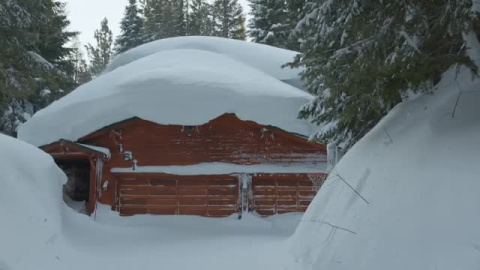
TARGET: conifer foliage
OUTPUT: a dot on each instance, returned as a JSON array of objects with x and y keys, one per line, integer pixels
[
  {"x": 229, "y": 19},
  {"x": 268, "y": 24},
  {"x": 131, "y": 29},
  {"x": 200, "y": 19},
  {"x": 164, "y": 19},
  {"x": 272, "y": 22},
  {"x": 101, "y": 53},
  {"x": 34, "y": 65},
  {"x": 363, "y": 57}
]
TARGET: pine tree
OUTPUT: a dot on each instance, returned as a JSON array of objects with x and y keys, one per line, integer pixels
[
  {"x": 200, "y": 19},
  {"x": 81, "y": 72},
  {"x": 131, "y": 29},
  {"x": 361, "y": 57},
  {"x": 164, "y": 19},
  {"x": 100, "y": 54},
  {"x": 268, "y": 24},
  {"x": 179, "y": 24},
  {"x": 295, "y": 12},
  {"x": 229, "y": 19},
  {"x": 33, "y": 66}
]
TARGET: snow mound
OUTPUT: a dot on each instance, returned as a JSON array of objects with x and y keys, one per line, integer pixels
[
  {"x": 38, "y": 231},
  {"x": 30, "y": 203},
  {"x": 262, "y": 57},
  {"x": 422, "y": 189},
  {"x": 182, "y": 86}
]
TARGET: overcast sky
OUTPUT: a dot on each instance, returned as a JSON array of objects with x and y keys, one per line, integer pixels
[{"x": 85, "y": 16}]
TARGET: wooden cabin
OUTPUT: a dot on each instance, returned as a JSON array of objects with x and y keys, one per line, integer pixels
[{"x": 226, "y": 166}]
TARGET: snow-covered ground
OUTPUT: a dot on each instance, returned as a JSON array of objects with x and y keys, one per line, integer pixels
[
  {"x": 417, "y": 174},
  {"x": 38, "y": 230}
]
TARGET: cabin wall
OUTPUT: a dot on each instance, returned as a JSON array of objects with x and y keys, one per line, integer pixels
[{"x": 225, "y": 139}]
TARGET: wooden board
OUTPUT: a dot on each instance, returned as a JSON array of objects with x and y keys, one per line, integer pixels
[
  {"x": 224, "y": 139},
  {"x": 281, "y": 193},
  {"x": 162, "y": 194}
]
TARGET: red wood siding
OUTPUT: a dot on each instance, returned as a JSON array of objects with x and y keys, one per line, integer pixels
[
  {"x": 210, "y": 196},
  {"x": 281, "y": 193},
  {"x": 225, "y": 139}
]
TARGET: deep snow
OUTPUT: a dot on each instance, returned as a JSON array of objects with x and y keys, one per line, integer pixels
[
  {"x": 177, "y": 86},
  {"x": 262, "y": 57},
  {"x": 38, "y": 231},
  {"x": 422, "y": 191}
]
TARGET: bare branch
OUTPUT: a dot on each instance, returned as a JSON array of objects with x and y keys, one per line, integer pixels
[
  {"x": 350, "y": 186},
  {"x": 331, "y": 225},
  {"x": 458, "y": 98},
  {"x": 384, "y": 129}
]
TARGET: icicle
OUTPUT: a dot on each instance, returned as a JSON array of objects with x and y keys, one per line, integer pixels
[
  {"x": 245, "y": 184},
  {"x": 98, "y": 173},
  {"x": 332, "y": 156}
]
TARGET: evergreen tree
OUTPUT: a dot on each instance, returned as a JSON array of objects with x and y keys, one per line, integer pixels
[
  {"x": 229, "y": 19},
  {"x": 295, "y": 12},
  {"x": 131, "y": 27},
  {"x": 361, "y": 57},
  {"x": 81, "y": 72},
  {"x": 268, "y": 24},
  {"x": 33, "y": 66},
  {"x": 164, "y": 18},
  {"x": 200, "y": 19},
  {"x": 100, "y": 54},
  {"x": 179, "y": 10}
]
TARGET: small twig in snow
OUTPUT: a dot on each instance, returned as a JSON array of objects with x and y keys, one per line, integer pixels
[
  {"x": 331, "y": 225},
  {"x": 458, "y": 98},
  {"x": 386, "y": 132},
  {"x": 350, "y": 186}
]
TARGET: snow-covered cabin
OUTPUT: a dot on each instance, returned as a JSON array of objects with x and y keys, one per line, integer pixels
[{"x": 187, "y": 126}]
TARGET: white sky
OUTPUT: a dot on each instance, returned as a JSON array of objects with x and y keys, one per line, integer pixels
[{"x": 85, "y": 16}]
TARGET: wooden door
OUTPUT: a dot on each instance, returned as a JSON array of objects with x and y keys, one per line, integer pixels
[
  {"x": 162, "y": 194},
  {"x": 281, "y": 193}
]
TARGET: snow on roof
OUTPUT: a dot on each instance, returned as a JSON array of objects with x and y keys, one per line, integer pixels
[
  {"x": 180, "y": 86},
  {"x": 262, "y": 57},
  {"x": 99, "y": 149},
  {"x": 225, "y": 168}
]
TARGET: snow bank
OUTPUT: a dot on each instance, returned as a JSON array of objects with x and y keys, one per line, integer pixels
[
  {"x": 37, "y": 230},
  {"x": 184, "y": 86},
  {"x": 30, "y": 203},
  {"x": 422, "y": 191},
  {"x": 262, "y": 57}
]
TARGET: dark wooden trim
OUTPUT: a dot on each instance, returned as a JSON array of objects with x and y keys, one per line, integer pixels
[{"x": 76, "y": 146}]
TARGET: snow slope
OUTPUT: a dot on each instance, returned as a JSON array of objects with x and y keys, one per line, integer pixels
[
  {"x": 182, "y": 86},
  {"x": 422, "y": 189},
  {"x": 38, "y": 231},
  {"x": 262, "y": 57},
  {"x": 30, "y": 205}
]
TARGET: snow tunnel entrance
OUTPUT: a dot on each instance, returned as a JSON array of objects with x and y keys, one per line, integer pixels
[
  {"x": 77, "y": 189},
  {"x": 78, "y": 162}
]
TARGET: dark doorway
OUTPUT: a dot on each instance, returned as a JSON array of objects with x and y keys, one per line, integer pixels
[{"x": 78, "y": 184}]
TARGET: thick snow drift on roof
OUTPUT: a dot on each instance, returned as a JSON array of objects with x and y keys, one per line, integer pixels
[
  {"x": 262, "y": 57},
  {"x": 422, "y": 188},
  {"x": 184, "y": 87}
]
